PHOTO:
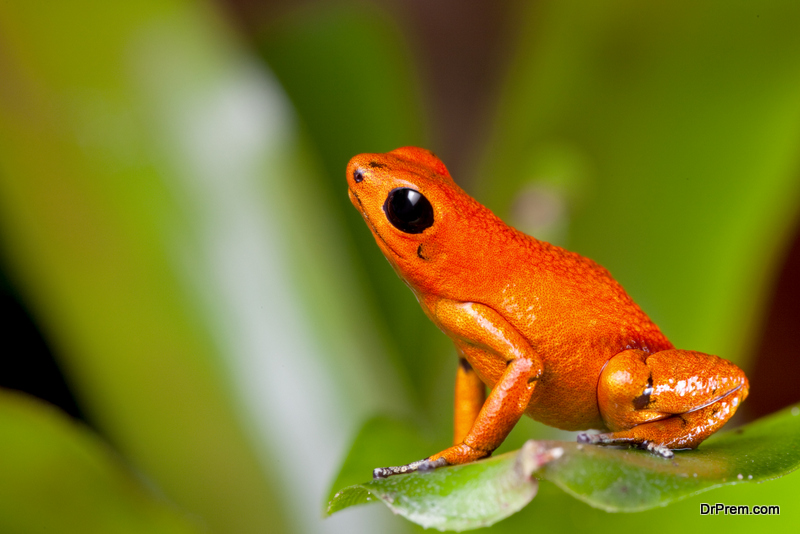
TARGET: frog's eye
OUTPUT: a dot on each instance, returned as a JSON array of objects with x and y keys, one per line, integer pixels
[{"x": 408, "y": 210}]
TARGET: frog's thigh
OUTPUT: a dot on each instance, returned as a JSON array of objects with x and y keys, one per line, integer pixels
[
  {"x": 674, "y": 398},
  {"x": 470, "y": 396}
]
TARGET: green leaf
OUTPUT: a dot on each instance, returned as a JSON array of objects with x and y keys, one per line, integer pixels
[
  {"x": 615, "y": 480},
  {"x": 57, "y": 476},
  {"x": 460, "y": 497},
  {"x": 626, "y": 480}
]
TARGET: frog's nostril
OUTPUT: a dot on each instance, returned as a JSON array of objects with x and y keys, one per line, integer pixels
[{"x": 358, "y": 175}]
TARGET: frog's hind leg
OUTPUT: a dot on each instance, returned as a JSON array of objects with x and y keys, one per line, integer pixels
[
  {"x": 673, "y": 399},
  {"x": 470, "y": 396}
]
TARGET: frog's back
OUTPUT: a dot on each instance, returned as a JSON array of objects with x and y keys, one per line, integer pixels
[
  {"x": 589, "y": 319},
  {"x": 575, "y": 314}
]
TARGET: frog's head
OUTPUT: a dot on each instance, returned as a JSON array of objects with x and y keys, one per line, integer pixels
[{"x": 414, "y": 209}]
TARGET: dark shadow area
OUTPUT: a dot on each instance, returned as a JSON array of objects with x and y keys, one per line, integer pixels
[
  {"x": 776, "y": 369},
  {"x": 27, "y": 362}
]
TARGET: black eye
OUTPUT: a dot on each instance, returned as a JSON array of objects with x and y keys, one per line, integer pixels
[{"x": 408, "y": 210}]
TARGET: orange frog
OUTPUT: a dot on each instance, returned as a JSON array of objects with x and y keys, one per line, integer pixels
[{"x": 550, "y": 332}]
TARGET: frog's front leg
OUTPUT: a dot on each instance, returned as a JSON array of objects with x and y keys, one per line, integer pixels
[
  {"x": 673, "y": 399},
  {"x": 483, "y": 331}
]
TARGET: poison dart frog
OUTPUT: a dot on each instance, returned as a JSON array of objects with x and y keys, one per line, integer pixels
[{"x": 549, "y": 332}]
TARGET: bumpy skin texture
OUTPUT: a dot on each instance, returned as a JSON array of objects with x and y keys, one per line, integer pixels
[{"x": 550, "y": 332}]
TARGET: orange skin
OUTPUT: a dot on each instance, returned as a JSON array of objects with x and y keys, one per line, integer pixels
[{"x": 550, "y": 332}]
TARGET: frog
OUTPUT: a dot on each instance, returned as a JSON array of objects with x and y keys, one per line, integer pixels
[{"x": 549, "y": 333}]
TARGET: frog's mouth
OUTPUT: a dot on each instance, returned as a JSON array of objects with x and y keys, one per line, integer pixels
[{"x": 372, "y": 227}]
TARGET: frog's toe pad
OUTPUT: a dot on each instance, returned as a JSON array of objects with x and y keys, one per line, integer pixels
[{"x": 659, "y": 450}]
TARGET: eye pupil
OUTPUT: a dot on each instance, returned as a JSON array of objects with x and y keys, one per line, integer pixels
[{"x": 408, "y": 210}]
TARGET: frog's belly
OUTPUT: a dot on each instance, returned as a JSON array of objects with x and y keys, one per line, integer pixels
[
  {"x": 568, "y": 404},
  {"x": 564, "y": 397}
]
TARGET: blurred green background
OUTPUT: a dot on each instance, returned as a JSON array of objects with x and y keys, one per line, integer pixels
[{"x": 174, "y": 225}]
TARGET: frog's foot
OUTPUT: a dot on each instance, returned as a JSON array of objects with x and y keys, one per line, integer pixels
[
  {"x": 455, "y": 455},
  {"x": 673, "y": 399},
  {"x": 420, "y": 465},
  {"x": 611, "y": 438}
]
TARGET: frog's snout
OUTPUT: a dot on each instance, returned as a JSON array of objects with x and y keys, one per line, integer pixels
[{"x": 355, "y": 176}]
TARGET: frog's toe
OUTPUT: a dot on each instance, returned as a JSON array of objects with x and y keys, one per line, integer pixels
[
  {"x": 614, "y": 438},
  {"x": 423, "y": 465},
  {"x": 430, "y": 465},
  {"x": 657, "y": 449},
  {"x": 606, "y": 438},
  {"x": 594, "y": 439}
]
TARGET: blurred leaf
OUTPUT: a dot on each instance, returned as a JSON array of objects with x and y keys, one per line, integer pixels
[
  {"x": 349, "y": 74},
  {"x": 56, "y": 476},
  {"x": 461, "y": 497},
  {"x": 615, "y": 480},
  {"x": 683, "y": 121},
  {"x": 105, "y": 111}
]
